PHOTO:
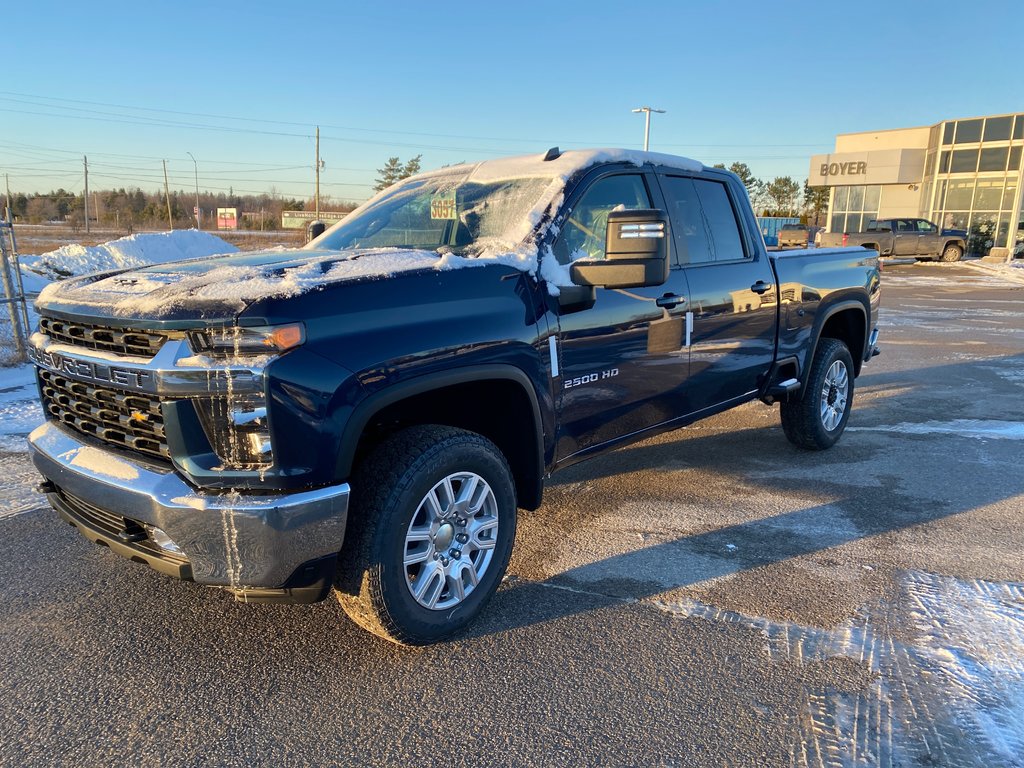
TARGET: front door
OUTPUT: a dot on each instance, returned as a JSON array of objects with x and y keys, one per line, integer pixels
[
  {"x": 622, "y": 361},
  {"x": 905, "y": 237}
]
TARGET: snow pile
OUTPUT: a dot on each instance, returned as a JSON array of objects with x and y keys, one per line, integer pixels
[
  {"x": 132, "y": 251},
  {"x": 1011, "y": 270}
]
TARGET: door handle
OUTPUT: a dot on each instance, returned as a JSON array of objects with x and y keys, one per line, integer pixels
[
  {"x": 760, "y": 287},
  {"x": 669, "y": 300}
]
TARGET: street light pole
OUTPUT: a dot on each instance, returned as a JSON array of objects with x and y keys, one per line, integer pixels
[
  {"x": 199, "y": 224},
  {"x": 647, "y": 123}
]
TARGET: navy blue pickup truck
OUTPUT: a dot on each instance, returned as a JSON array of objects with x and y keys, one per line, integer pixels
[{"x": 364, "y": 416}]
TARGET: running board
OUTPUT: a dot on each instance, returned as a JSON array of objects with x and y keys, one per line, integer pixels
[{"x": 781, "y": 391}]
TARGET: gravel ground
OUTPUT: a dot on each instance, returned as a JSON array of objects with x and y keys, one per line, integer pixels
[{"x": 708, "y": 597}]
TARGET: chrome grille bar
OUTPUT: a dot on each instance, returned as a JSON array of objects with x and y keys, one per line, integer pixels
[{"x": 125, "y": 419}]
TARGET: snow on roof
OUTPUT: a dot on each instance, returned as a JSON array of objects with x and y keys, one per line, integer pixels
[{"x": 565, "y": 165}]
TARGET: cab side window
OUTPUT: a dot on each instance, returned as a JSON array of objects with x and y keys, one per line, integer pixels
[
  {"x": 924, "y": 227},
  {"x": 704, "y": 224},
  {"x": 583, "y": 235}
]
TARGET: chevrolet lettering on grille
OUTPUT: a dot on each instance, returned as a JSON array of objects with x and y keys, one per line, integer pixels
[{"x": 90, "y": 371}]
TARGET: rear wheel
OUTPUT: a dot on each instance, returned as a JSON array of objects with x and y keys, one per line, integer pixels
[
  {"x": 818, "y": 419},
  {"x": 951, "y": 253},
  {"x": 431, "y": 531}
]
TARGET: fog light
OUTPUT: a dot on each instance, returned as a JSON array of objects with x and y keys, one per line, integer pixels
[{"x": 162, "y": 540}]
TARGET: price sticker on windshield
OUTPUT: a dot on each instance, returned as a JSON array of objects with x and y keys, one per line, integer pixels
[{"x": 443, "y": 207}]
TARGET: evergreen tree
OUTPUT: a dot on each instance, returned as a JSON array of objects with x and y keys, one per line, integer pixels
[
  {"x": 389, "y": 174},
  {"x": 815, "y": 201},
  {"x": 784, "y": 193},
  {"x": 411, "y": 168}
]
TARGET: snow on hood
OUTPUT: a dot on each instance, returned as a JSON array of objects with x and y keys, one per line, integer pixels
[{"x": 229, "y": 283}]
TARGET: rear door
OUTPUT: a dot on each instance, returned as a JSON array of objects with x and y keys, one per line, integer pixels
[
  {"x": 733, "y": 299},
  {"x": 622, "y": 360}
]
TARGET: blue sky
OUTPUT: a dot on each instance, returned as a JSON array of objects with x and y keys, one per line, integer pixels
[{"x": 241, "y": 85}]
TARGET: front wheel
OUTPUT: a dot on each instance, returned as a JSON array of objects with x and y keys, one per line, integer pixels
[
  {"x": 951, "y": 253},
  {"x": 818, "y": 419},
  {"x": 432, "y": 523}
]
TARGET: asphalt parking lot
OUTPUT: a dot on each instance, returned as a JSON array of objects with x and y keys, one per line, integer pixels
[{"x": 709, "y": 597}]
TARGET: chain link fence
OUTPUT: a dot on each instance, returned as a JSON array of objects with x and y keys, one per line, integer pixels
[{"x": 14, "y": 320}]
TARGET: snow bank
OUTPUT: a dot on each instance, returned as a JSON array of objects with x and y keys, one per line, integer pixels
[{"x": 132, "y": 251}]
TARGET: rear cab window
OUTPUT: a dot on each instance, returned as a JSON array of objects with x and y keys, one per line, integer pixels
[{"x": 705, "y": 227}]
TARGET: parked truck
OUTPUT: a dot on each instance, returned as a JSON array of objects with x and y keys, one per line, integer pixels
[
  {"x": 916, "y": 238},
  {"x": 365, "y": 415},
  {"x": 794, "y": 236}
]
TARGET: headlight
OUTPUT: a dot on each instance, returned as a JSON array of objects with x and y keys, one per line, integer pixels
[
  {"x": 256, "y": 340},
  {"x": 237, "y": 430}
]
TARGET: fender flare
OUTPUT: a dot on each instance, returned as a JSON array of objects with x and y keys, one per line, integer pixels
[
  {"x": 822, "y": 317},
  {"x": 373, "y": 404}
]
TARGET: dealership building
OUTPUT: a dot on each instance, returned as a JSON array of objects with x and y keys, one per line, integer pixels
[{"x": 962, "y": 174}]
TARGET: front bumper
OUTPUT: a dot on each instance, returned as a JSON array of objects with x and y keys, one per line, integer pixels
[{"x": 250, "y": 543}]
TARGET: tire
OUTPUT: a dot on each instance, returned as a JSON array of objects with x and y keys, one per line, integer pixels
[
  {"x": 951, "y": 253},
  {"x": 817, "y": 420},
  {"x": 408, "y": 505}
]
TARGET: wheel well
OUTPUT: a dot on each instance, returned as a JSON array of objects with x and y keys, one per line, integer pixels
[
  {"x": 847, "y": 326},
  {"x": 870, "y": 246},
  {"x": 498, "y": 409},
  {"x": 954, "y": 243}
]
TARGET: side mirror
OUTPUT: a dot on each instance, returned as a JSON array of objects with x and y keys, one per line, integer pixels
[{"x": 636, "y": 252}]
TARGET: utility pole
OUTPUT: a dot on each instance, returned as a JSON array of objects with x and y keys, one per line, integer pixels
[
  {"x": 317, "y": 173},
  {"x": 10, "y": 203},
  {"x": 647, "y": 123},
  {"x": 85, "y": 197},
  {"x": 167, "y": 194},
  {"x": 199, "y": 224}
]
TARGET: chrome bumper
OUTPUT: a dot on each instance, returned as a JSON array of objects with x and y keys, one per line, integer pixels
[{"x": 232, "y": 539}]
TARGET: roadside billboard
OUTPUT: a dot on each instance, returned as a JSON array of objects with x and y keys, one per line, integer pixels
[{"x": 227, "y": 218}]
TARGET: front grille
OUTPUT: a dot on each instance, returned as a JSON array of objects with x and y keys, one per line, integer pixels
[
  {"x": 124, "y": 419},
  {"x": 137, "y": 343}
]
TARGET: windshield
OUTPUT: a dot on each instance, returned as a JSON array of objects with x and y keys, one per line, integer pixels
[{"x": 448, "y": 212}]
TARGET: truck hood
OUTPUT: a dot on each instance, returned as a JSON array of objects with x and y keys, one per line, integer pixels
[{"x": 218, "y": 288}]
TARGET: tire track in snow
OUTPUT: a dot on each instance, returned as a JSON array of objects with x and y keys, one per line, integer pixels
[{"x": 952, "y": 695}]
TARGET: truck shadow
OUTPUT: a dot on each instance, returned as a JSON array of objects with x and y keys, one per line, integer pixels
[{"x": 856, "y": 489}]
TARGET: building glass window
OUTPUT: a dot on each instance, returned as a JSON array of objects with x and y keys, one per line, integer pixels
[
  {"x": 853, "y": 207},
  {"x": 982, "y": 232},
  {"x": 944, "y": 165},
  {"x": 998, "y": 128},
  {"x": 968, "y": 131},
  {"x": 1018, "y": 127},
  {"x": 1009, "y": 192},
  {"x": 959, "y": 194},
  {"x": 993, "y": 159},
  {"x": 856, "y": 199},
  {"x": 964, "y": 161},
  {"x": 842, "y": 195},
  {"x": 947, "y": 133},
  {"x": 872, "y": 196},
  {"x": 989, "y": 194},
  {"x": 1014, "y": 163}
]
